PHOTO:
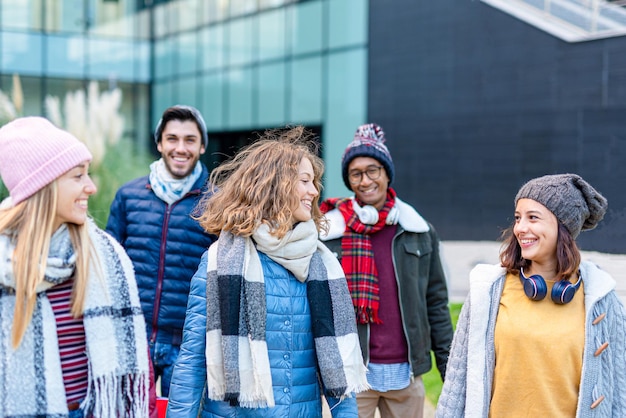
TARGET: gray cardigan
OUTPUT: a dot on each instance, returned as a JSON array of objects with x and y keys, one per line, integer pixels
[{"x": 467, "y": 388}]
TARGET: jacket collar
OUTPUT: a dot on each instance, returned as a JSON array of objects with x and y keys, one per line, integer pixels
[
  {"x": 409, "y": 220},
  {"x": 202, "y": 182},
  {"x": 597, "y": 283}
]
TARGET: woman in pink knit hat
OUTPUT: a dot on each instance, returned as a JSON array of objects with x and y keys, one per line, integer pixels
[{"x": 72, "y": 336}]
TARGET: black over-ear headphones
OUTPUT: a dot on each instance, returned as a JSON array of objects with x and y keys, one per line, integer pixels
[{"x": 563, "y": 291}]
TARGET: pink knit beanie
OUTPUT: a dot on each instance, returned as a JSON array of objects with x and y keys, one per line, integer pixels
[{"x": 34, "y": 153}]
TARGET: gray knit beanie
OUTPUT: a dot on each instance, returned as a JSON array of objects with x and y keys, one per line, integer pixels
[{"x": 571, "y": 199}]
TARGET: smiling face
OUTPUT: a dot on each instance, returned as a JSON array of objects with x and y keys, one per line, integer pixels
[
  {"x": 305, "y": 190},
  {"x": 537, "y": 232},
  {"x": 180, "y": 146},
  {"x": 74, "y": 189},
  {"x": 368, "y": 191}
]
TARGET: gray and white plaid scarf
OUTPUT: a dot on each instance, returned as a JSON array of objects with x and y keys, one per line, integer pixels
[
  {"x": 238, "y": 368},
  {"x": 31, "y": 381}
]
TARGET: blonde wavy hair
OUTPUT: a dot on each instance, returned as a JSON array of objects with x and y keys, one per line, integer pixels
[
  {"x": 29, "y": 225},
  {"x": 258, "y": 185}
]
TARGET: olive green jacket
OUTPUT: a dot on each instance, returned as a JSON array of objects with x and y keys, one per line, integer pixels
[{"x": 422, "y": 288}]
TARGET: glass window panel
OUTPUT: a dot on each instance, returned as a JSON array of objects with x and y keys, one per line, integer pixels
[
  {"x": 31, "y": 94},
  {"x": 6, "y": 83},
  {"x": 162, "y": 19},
  {"x": 33, "y": 97},
  {"x": 164, "y": 58},
  {"x": 239, "y": 41},
  {"x": 115, "y": 18},
  {"x": 141, "y": 104},
  {"x": 242, "y": 7},
  {"x": 21, "y": 14},
  {"x": 52, "y": 21},
  {"x": 239, "y": 90},
  {"x": 212, "y": 102},
  {"x": 187, "y": 92},
  {"x": 135, "y": 110},
  {"x": 271, "y": 100},
  {"x": 162, "y": 98},
  {"x": 272, "y": 34},
  {"x": 142, "y": 60},
  {"x": 21, "y": 53},
  {"x": 212, "y": 47},
  {"x": 347, "y": 82},
  {"x": 306, "y": 27},
  {"x": 65, "y": 56},
  {"x": 67, "y": 16},
  {"x": 214, "y": 10},
  {"x": 187, "y": 53},
  {"x": 122, "y": 27},
  {"x": 189, "y": 12},
  {"x": 141, "y": 22},
  {"x": 112, "y": 59},
  {"x": 306, "y": 90},
  {"x": 348, "y": 23},
  {"x": 346, "y": 108},
  {"x": 266, "y": 4},
  {"x": 60, "y": 88}
]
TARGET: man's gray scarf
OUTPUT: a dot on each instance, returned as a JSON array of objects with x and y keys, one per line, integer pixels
[
  {"x": 238, "y": 368},
  {"x": 31, "y": 381}
]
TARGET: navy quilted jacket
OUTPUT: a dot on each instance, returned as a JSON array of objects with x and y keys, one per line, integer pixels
[{"x": 165, "y": 245}]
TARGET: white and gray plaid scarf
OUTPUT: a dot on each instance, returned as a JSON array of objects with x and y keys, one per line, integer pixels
[
  {"x": 238, "y": 368},
  {"x": 31, "y": 381}
]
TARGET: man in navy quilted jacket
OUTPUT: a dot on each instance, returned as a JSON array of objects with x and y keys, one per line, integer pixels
[{"x": 151, "y": 217}]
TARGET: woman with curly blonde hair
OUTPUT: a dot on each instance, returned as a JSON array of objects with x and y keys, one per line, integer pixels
[
  {"x": 72, "y": 336},
  {"x": 264, "y": 188},
  {"x": 269, "y": 315}
]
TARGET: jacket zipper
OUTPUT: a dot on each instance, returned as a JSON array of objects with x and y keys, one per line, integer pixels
[
  {"x": 161, "y": 272},
  {"x": 395, "y": 273}
]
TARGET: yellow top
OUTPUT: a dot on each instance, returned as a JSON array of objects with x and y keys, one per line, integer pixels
[{"x": 539, "y": 354}]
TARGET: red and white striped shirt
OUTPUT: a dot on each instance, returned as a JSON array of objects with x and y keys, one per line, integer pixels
[{"x": 72, "y": 345}]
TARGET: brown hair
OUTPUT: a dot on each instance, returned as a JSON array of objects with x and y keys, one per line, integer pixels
[
  {"x": 567, "y": 253},
  {"x": 29, "y": 224},
  {"x": 258, "y": 185}
]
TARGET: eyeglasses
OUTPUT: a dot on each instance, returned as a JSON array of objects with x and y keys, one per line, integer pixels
[{"x": 372, "y": 172}]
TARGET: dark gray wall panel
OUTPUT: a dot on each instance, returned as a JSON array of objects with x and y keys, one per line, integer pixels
[{"x": 475, "y": 102}]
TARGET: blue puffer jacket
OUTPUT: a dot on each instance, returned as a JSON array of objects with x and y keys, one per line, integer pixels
[
  {"x": 291, "y": 354},
  {"x": 165, "y": 245}
]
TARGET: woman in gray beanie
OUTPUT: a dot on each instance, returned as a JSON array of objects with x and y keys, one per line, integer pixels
[{"x": 542, "y": 333}]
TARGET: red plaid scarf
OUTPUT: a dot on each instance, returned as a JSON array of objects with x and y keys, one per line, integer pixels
[{"x": 357, "y": 258}]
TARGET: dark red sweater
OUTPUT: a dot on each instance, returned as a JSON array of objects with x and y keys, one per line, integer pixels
[{"x": 387, "y": 340}]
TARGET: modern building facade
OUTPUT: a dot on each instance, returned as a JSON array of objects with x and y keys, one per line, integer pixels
[
  {"x": 476, "y": 97},
  {"x": 248, "y": 65},
  {"x": 475, "y": 101}
]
